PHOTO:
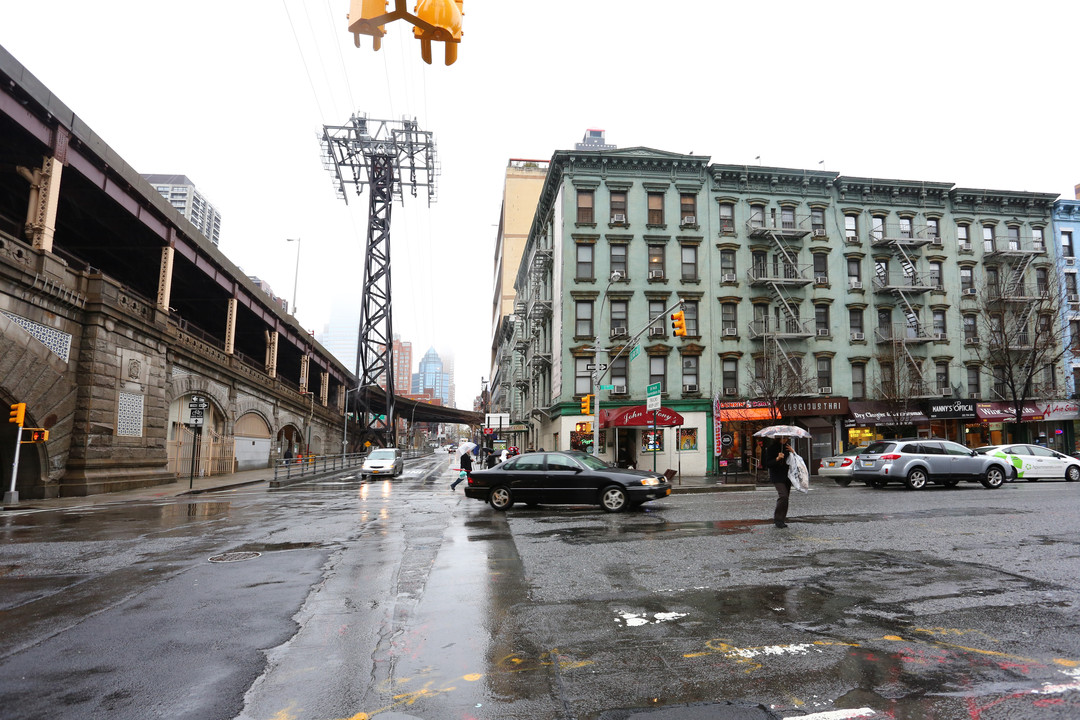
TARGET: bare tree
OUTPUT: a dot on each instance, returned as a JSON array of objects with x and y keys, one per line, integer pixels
[
  {"x": 899, "y": 385},
  {"x": 777, "y": 376}
]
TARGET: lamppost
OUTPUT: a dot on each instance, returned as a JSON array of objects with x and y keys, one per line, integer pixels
[
  {"x": 483, "y": 407},
  {"x": 296, "y": 272},
  {"x": 345, "y": 426}
]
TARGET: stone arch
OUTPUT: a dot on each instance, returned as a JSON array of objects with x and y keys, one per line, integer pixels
[{"x": 253, "y": 441}]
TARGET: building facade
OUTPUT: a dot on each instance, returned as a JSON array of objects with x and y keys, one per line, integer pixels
[
  {"x": 855, "y": 307},
  {"x": 182, "y": 195},
  {"x": 431, "y": 378}
]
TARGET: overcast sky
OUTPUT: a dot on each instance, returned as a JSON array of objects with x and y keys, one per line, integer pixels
[{"x": 234, "y": 93}]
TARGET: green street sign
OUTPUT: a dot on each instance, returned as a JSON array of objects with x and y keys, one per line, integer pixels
[
  {"x": 607, "y": 387},
  {"x": 635, "y": 352},
  {"x": 653, "y": 389}
]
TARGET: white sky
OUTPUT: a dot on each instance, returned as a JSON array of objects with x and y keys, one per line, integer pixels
[{"x": 234, "y": 93}]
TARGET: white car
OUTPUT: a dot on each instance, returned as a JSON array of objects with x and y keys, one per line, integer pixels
[
  {"x": 383, "y": 461},
  {"x": 839, "y": 467},
  {"x": 1035, "y": 462}
]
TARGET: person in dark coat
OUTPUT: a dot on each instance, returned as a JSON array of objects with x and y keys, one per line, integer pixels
[
  {"x": 774, "y": 458},
  {"x": 466, "y": 465}
]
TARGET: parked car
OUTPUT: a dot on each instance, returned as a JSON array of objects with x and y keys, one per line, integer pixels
[
  {"x": 1035, "y": 462},
  {"x": 383, "y": 461},
  {"x": 565, "y": 478},
  {"x": 839, "y": 467},
  {"x": 917, "y": 461}
]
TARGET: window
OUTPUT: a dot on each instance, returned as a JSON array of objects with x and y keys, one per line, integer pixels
[
  {"x": 884, "y": 322},
  {"x": 973, "y": 381},
  {"x": 1074, "y": 335},
  {"x": 1066, "y": 243},
  {"x": 1049, "y": 379},
  {"x": 877, "y": 228},
  {"x": 1070, "y": 284},
  {"x": 963, "y": 235},
  {"x": 971, "y": 330},
  {"x": 656, "y": 208},
  {"x": 757, "y": 216},
  {"x": 1042, "y": 282},
  {"x": 1014, "y": 237},
  {"x": 582, "y": 375},
  {"x": 729, "y": 318},
  {"x": 690, "y": 370},
  {"x": 618, "y": 314},
  {"x": 618, "y": 259},
  {"x": 933, "y": 230},
  {"x": 858, "y": 381},
  {"x": 761, "y": 318},
  {"x": 967, "y": 278},
  {"x": 759, "y": 261},
  {"x": 583, "y": 326},
  {"x": 988, "y": 238},
  {"x": 817, "y": 221},
  {"x": 821, "y": 266},
  {"x": 727, "y": 262},
  {"x": 656, "y": 309},
  {"x": 727, "y": 219},
  {"x": 881, "y": 272},
  {"x": 939, "y": 321},
  {"x": 656, "y": 261},
  {"x": 851, "y": 228},
  {"x": 1038, "y": 239},
  {"x": 854, "y": 271},
  {"x": 658, "y": 371},
  {"x": 824, "y": 372},
  {"x": 992, "y": 279},
  {"x": 689, "y": 262},
  {"x": 999, "y": 381},
  {"x": 905, "y": 228},
  {"x": 787, "y": 218},
  {"x": 888, "y": 386},
  {"x": 585, "y": 206},
  {"x": 690, "y": 313},
  {"x": 687, "y": 209},
  {"x": 618, "y": 372},
  {"x": 618, "y": 208},
  {"x": 821, "y": 319},
  {"x": 855, "y": 320},
  {"x": 730, "y": 375},
  {"x": 584, "y": 262}
]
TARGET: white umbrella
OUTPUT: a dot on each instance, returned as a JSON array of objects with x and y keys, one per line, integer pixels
[
  {"x": 785, "y": 430},
  {"x": 465, "y": 447}
]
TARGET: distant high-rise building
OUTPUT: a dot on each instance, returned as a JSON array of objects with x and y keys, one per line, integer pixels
[
  {"x": 593, "y": 140},
  {"x": 339, "y": 335},
  {"x": 432, "y": 377},
  {"x": 182, "y": 195},
  {"x": 402, "y": 359}
]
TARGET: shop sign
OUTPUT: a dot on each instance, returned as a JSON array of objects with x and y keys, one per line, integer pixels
[
  {"x": 814, "y": 406},
  {"x": 951, "y": 410}
]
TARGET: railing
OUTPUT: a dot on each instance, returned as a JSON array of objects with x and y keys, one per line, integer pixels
[{"x": 313, "y": 465}]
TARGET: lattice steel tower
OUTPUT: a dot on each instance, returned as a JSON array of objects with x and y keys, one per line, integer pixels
[{"x": 385, "y": 155}]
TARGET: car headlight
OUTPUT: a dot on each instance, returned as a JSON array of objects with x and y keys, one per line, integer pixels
[{"x": 651, "y": 481}]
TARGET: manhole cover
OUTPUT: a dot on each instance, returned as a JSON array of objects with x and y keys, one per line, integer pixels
[{"x": 235, "y": 556}]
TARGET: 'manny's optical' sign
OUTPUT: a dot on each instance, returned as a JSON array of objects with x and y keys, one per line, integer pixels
[{"x": 951, "y": 410}]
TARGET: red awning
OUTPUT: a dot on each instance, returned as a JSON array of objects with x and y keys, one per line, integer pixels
[
  {"x": 1006, "y": 412},
  {"x": 638, "y": 417}
]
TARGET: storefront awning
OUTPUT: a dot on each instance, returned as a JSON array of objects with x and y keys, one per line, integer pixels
[
  {"x": 1033, "y": 411},
  {"x": 744, "y": 414},
  {"x": 876, "y": 412},
  {"x": 639, "y": 416}
]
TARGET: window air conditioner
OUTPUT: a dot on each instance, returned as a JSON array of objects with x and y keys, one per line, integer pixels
[
  {"x": 730, "y": 391},
  {"x": 819, "y": 232},
  {"x": 618, "y": 219},
  {"x": 728, "y": 277},
  {"x": 821, "y": 279},
  {"x": 619, "y": 332},
  {"x": 656, "y": 332},
  {"x": 1070, "y": 261},
  {"x": 939, "y": 336},
  {"x": 689, "y": 388},
  {"x": 971, "y": 341},
  {"x": 973, "y": 396},
  {"x": 656, "y": 274},
  {"x": 971, "y": 291},
  {"x": 823, "y": 332},
  {"x": 1073, "y": 297},
  {"x": 857, "y": 336},
  {"x": 731, "y": 332},
  {"x": 854, "y": 284},
  {"x": 619, "y": 390},
  {"x": 689, "y": 220},
  {"x": 966, "y": 246},
  {"x": 825, "y": 390},
  {"x": 853, "y": 239},
  {"x": 945, "y": 392}
]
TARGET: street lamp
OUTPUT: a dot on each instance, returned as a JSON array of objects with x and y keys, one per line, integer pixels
[{"x": 296, "y": 272}]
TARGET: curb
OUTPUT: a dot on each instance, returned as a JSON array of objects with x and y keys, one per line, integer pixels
[{"x": 694, "y": 490}]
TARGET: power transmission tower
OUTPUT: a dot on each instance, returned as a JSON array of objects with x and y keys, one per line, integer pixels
[{"x": 385, "y": 156}]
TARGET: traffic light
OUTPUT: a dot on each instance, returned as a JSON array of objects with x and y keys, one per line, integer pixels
[
  {"x": 445, "y": 16},
  {"x": 17, "y": 414},
  {"x": 678, "y": 323},
  {"x": 361, "y": 13},
  {"x": 36, "y": 435},
  {"x": 586, "y": 405}
]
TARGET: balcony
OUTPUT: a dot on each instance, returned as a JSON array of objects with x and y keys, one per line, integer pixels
[
  {"x": 893, "y": 236},
  {"x": 905, "y": 283},
  {"x": 794, "y": 228},
  {"x": 1013, "y": 248},
  {"x": 775, "y": 274},
  {"x": 780, "y": 330},
  {"x": 1017, "y": 293},
  {"x": 902, "y": 333}
]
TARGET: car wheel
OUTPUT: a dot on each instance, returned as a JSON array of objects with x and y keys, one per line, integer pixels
[
  {"x": 1072, "y": 473},
  {"x": 613, "y": 499},
  {"x": 501, "y": 498},
  {"x": 843, "y": 482},
  {"x": 916, "y": 479},
  {"x": 994, "y": 478}
]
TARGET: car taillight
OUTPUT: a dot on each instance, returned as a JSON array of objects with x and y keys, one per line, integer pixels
[
  {"x": 846, "y": 462},
  {"x": 891, "y": 456}
]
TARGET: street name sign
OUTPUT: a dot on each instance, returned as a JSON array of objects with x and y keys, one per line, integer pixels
[
  {"x": 653, "y": 389},
  {"x": 635, "y": 351}
]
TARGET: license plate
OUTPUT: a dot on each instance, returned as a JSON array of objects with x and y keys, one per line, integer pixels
[
  {"x": 868, "y": 463},
  {"x": 832, "y": 464},
  {"x": 667, "y": 492}
]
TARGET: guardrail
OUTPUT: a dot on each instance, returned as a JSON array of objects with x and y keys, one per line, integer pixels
[{"x": 297, "y": 469}]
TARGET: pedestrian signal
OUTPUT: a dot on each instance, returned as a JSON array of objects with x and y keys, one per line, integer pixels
[
  {"x": 678, "y": 323},
  {"x": 586, "y": 405},
  {"x": 35, "y": 435},
  {"x": 17, "y": 414}
]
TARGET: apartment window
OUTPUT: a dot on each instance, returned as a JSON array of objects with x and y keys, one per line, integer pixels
[
  {"x": 1049, "y": 379},
  {"x": 881, "y": 271},
  {"x": 877, "y": 228},
  {"x": 1038, "y": 239},
  {"x": 618, "y": 372},
  {"x": 757, "y": 216},
  {"x": 935, "y": 275},
  {"x": 727, "y": 262},
  {"x": 687, "y": 209},
  {"x": 787, "y": 218},
  {"x": 618, "y": 315},
  {"x": 585, "y": 206},
  {"x": 1066, "y": 243},
  {"x": 1042, "y": 282},
  {"x": 933, "y": 229},
  {"x": 858, "y": 381},
  {"x": 1074, "y": 334},
  {"x": 963, "y": 235},
  {"x": 988, "y": 238},
  {"x": 992, "y": 279},
  {"x": 618, "y": 259},
  {"x": 854, "y": 271},
  {"x": 905, "y": 228},
  {"x": 585, "y": 262},
  {"x": 887, "y": 383},
  {"x": 1070, "y": 283},
  {"x": 689, "y": 262},
  {"x": 855, "y": 320},
  {"x": 939, "y": 321},
  {"x": 971, "y": 329},
  {"x": 656, "y": 261},
  {"x": 729, "y": 318},
  {"x": 730, "y": 375},
  {"x": 761, "y": 318},
  {"x": 656, "y": 309},
  {"x": 821, "y": 318},
  {"x": 941, "y": 374},
  {"x": 658, "y": 371},
  {"x": 1014, "y": 237},
  {"x": 999, "y": 381},
  {"x": 727, "y": 218},
  {"x": 690, "y": 314},
  {"x": 618, "y": 208},
  {"x": 759, "y": 261},
  {"x": 973, "y": 382},
  {"x": 824, "y": 372},
  {"x": 817, "y": 221},
  {"x": 583, "y": 375},
  {"x": 821, "y": 266},
  {"x": 583, "y": 318},
  {"x": 851, "y": 228},
  {"x": 690, "y": 370},
  {"x": 1042, "y": 326},
  {"x": 884, "y": 322},
  {"x": 967, "y": 278},
  {"x": 656, "y": 208}
]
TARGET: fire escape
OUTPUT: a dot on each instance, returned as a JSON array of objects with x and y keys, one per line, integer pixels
[
  {"x": 903, "y": 243},
  {"x": 1015, "y": 301},
  {"x": 538, "y": 316},
  {"x": 780, "y": 278}
]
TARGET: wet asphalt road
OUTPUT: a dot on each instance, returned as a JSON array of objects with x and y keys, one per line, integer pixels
[{"x": 397, "y": 599}]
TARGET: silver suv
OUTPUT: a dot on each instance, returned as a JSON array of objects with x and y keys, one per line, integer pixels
[{"x": 917, "y": 461}]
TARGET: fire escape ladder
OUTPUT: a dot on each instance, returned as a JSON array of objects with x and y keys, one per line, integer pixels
[{"x": 1016, "y": 279}]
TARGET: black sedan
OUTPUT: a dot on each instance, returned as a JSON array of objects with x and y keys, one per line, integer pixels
[{"x": 564, "y": 478}]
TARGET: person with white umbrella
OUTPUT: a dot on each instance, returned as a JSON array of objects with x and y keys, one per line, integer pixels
[
  {"x": 775, "y": 457},
  {"x": 466, "y": 463}
]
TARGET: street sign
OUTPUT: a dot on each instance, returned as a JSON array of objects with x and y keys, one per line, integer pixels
[
  {"x": 635, "y": 352},
  {"x": 726, "y": 439},
  {"x": 195, "y": 421},
  {"x": 653, "y": 389},
  {"x": 196, "y": 412},
  {"x": 590, "y": 366},
  {"x": 652, "y": 402},
  {"x": 602, "y": 366},
  {"x": 607, "y": 387}
]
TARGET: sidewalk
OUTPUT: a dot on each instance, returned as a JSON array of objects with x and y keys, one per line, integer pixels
[{"x": 262, "y": 476}]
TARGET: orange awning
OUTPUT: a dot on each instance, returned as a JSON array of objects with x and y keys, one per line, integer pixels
[{"x": 745, "y": 414}]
